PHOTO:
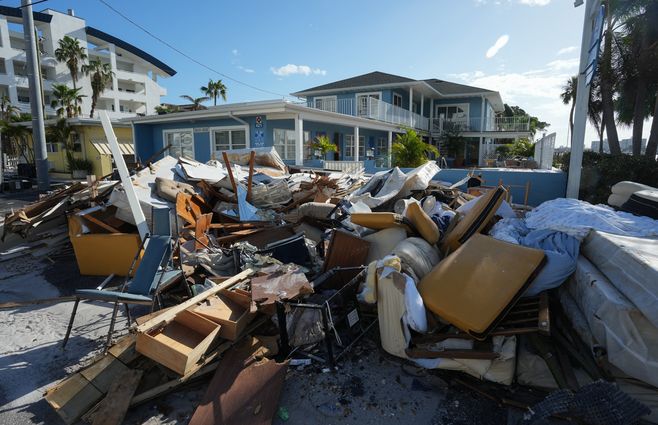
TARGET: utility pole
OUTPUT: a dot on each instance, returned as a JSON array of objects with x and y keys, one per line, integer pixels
[
  {"x": 33, "y": 75},
  {"x": 582, "y": 100}
]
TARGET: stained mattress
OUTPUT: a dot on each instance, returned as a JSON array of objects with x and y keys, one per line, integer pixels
[
  {"x": 631, "y": 340},
  {"x": 631, "y": 266}
]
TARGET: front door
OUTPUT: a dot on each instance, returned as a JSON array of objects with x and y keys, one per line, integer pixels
[{"x": 365, "y": 107}]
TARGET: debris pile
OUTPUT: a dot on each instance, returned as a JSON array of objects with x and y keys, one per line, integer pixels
[{"x": 252, "y": 269}]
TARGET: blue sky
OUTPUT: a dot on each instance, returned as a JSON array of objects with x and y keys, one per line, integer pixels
[{"x": 286, "y": 46}]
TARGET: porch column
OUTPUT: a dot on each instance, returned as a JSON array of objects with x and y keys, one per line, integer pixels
[
  {"x": 390, "y": 148},
  {"x": 299, "y": 141},
  {"x": 481, "y": 152},
  {"x": 431, "y": 115},
  {"x": 482, "y": 124},
  {"x": 422, "y": 103},
  {"x": 356, "y": 143}
]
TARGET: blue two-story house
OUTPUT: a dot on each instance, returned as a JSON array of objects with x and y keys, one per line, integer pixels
[{"x": 360, "y": 115}]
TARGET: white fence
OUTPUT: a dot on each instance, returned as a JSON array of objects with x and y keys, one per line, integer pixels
[
  {"x": 349, "y": 167},
  {"x": 544, "y": 150}
]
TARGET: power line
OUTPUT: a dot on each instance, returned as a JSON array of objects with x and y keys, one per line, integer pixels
[
  {"x": 185, "y": 54},
  {"x": 33, "y": 3}
]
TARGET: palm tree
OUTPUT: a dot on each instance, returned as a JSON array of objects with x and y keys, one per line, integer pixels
[
  {"x": 67, "y": 99},
  {"x": 71, "y": 53},
  {"x": 7, "y": 110},
  {"x": 101, "y": 75},
  {"x": 19, "y": 143},
  {"x": 608, "y": 80},
  {"x": 569, "y": 96},
  {"x": 196, "y": 101},
  {"x": 60, "y": 132},
  {"x": 214, "y": 89}
]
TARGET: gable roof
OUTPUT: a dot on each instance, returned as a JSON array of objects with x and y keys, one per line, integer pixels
[
  {"x": 375, "y": 78},
  {"x": 447, "y": 88},
  {"x": 130, "y": 48}
]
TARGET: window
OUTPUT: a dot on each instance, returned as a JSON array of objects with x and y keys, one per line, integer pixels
[
  {"x": 325, "y": 103},
  {"x": 381, "y": 147},
  {"x": 284, "y": 143},
  {"x": 397, "y": 100},
  {"x": 349, "y": 147},
  {"x": 181, "y": 143},
  {"x": 51, "y": 146},
  {"x": 77, "y": 142},
  {"x": 3, "y": 68},
  {"x": 228, "y": 138},
  {"x": 452, "y": 112},
  {"x": 23, "y": 95}
]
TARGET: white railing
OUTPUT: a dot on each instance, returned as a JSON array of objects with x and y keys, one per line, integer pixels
[
  {"x": 466, "y": 124},
  {"x": 349, "y": 167},
  {"x": 369, "y": 107}
]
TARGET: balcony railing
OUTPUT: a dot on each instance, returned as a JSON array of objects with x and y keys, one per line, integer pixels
[
  {"x": 369, "y": 107},
  {"x": 474, "y": 124}
]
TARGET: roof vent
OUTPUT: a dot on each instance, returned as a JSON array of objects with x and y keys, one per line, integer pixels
[{"x": 71, "y": 12}]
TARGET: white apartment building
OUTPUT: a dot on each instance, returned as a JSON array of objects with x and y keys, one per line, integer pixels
[{"x": 134, "y": 91}]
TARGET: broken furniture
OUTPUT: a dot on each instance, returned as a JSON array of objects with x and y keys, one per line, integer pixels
[
  {"x": 345, "y": 250},
  {"x": 230, "y": 309},
  {"x": 179, "y": 338},
  {"x": 154, "y": 273},
  {"x": 475, "y": 286},
  {"x": 332, "y": 316},
  {"x": 91, "y": 232},
  {"x": 474, "y": 221}
]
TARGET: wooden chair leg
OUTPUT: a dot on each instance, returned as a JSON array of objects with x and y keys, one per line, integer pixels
[
  {"x": 114, "y": 318},
  {"x": 68, "y": 330}
]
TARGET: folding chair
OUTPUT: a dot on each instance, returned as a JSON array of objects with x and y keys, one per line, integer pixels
[{"x": 154, "y": 273}]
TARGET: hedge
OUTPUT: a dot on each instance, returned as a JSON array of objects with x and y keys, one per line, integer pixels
[{"x": 601, "y": 171}]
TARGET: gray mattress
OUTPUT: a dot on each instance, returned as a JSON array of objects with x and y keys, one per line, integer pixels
[{"x": 631, "y": 266}]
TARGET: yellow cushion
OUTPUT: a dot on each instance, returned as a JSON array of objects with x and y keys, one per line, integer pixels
[{"x": 423, "y": 223}]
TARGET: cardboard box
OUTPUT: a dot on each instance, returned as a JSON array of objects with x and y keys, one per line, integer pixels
[
  {"x": 180, "y": 344},
  {"x": 231, "y": 310}
]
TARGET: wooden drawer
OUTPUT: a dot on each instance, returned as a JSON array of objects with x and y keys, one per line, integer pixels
[
  {"x": 230, "y": 309},
  {"x": 181, "y": 343}
]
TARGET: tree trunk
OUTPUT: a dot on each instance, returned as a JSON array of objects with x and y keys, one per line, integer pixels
[
  {"x": 652, "y": 144},
  {"x": 606, "y": 87},
  {"x": 638, "y": 115},
  {"x": 573, "y": 107}
]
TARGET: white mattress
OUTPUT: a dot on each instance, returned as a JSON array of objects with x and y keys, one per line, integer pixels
[
  {"x": 630, "y": 264},
  {"x": 630, "y": 339}
]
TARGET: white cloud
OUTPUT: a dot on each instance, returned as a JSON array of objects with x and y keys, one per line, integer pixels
[
  {"x": 563, "y": 64},
  {"x": 565, "y": 50},
  {"x": 292, "y": 69},
  {"x": 535, "y": 2},
  {"x": 467, "y": 76},
  {"x": 235, "y": 52},
  {"x": 247, "y": 70},
  {"x": 499, "y": 44}
]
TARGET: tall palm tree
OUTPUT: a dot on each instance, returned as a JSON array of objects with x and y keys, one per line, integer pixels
[
  {"x": 61, "y": 132},
  {"x": 7, "y": 110},
  {"x": 73, "y": 54},
  {"x": 67, "y": 100},
  {"x": 214, "y": 89},
  {"x": 195, "y": 101},
  {"x": 101, "y": 75},
  {"x": 569, "y": 96},
  {"x": 608, "y": 78}
]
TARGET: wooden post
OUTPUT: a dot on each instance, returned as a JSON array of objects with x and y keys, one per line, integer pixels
[
  {"x": 252, "y": 157},
  {"x": 527, "y": 193},
  {"x": 230, "y": 174}
]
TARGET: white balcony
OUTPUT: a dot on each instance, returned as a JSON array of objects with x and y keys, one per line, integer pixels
[
  {"x": 474, "y": 124},
  {"x": 375, "y": 109}
]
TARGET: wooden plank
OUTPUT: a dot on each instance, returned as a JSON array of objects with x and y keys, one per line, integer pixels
[
  {"x": 14, "y": 304},
  {"x": 169, "y": 315},
  {"x": 72, "y": 397},
  {"x": 112, "y": 409},
  {"x": 230, "y": 173},
  {"x": 100, "y": 223},
  {"x": 103, "y": 372},
  {"x": 201, "y": 227}
]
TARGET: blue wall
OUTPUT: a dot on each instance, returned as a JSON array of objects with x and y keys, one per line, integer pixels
[{"x": 544, "y": 185}]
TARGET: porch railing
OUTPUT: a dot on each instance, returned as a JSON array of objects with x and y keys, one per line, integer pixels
[
  {"x": 466, "y": 124},
  {"x": 369, "y": 107}
]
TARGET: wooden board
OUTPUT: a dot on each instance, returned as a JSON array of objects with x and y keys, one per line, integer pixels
[
  {"x": 345, "y": 250},
  {"x": 112, "y": 409}
]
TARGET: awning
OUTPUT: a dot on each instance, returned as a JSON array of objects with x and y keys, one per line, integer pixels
[{"x": 125, "y": 146}]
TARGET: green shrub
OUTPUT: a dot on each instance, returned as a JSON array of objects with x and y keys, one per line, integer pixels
[
  {"x": 601, "y": 171},
  {"x": 409, "y": 150},
  {"x": 81, "y": 164}
]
